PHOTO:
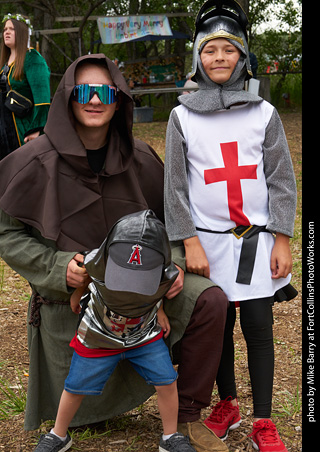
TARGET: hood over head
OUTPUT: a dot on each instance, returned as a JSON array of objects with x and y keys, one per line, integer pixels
[
  {"x": 61, "y": 118},
  {"x": 220, "y": 19}
]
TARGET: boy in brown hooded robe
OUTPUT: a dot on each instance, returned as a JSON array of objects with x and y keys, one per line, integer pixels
[{"x": 59, "y": 196}]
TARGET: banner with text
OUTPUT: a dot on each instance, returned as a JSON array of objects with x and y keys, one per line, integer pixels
[{"x": 115, "y": 30}]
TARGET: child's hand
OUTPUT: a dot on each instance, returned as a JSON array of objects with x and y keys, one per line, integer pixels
[
  {"x": 75, "y": 300},
  {"x": 76, "y": 297},
  {"x": 177, "y": 286},
  {"x": 281, "y": 259},
  {"x": 196, "y": 259},
  {"x": 163, "y": 322}
]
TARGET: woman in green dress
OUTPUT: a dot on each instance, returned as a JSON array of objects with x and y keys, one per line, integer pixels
[{"x": 25, "y": 71}]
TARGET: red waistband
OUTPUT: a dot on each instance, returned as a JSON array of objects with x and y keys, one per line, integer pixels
[{"x": 86, "y": 352}]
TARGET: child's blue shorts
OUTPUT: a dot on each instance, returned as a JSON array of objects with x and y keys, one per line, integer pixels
[{"x": 88, "y": 376}]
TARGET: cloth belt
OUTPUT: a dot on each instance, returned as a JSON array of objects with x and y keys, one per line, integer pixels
[
  {"x": 250, "y": 235},
  {"x": 36, "y": 301}
]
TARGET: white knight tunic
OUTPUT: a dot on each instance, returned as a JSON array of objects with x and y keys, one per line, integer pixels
[{"x": 227, "y": 187}]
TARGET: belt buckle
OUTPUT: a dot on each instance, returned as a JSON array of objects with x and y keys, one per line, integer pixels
[{"x": 238, "y": 236}]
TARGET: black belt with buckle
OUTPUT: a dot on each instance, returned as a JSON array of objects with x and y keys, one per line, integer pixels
[{"x": 250, "y": 234}]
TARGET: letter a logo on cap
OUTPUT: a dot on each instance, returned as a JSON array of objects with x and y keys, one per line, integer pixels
[{"x": 135, "y": 257}]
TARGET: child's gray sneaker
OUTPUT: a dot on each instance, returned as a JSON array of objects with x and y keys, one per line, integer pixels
[
  {"x": 176, "y": 443},
  {"x": 51, "y": 443}
]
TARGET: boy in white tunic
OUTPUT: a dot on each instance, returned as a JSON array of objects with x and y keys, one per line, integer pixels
[{"x": 230, "y": 197}]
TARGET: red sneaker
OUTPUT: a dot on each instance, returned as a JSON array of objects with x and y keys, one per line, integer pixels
[
  {"x": 265, "y": 437},
  {"x": 224, "y": 417}
]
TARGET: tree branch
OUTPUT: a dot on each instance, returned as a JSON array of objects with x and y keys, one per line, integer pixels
[{"x": 84, "y": 20}]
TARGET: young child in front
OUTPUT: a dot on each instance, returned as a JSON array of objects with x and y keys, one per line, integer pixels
[
  {"x": 121, "y": 318},
  {"x": 230, "y": 197}
]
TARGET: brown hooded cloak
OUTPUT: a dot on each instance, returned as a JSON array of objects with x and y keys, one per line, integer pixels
[
  {"x": 48, "y": 183},
  {"x": 53, "y": 206}
]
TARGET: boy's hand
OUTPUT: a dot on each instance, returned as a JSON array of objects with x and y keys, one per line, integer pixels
[
  {"x": 163, "y": 322},
  {"x": 281, "y": 259},
  {"x": 196, "y": 259}
]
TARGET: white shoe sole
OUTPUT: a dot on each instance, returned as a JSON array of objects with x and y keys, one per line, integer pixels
[
  {"x": 255, "y": 445},
  {"x": 232, "y": 427},
  {"x": 67, "y": 446}
]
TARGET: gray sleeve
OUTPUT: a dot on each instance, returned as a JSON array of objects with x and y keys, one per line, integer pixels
[
  {"x": 280, "y": 178},
  {"x": 178, "y": 220}
]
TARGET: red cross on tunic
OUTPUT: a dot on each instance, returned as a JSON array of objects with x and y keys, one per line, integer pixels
[{"x": 232, "y": 173}]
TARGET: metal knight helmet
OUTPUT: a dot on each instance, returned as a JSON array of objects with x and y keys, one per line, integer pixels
[{"x": 221, "y": 19}]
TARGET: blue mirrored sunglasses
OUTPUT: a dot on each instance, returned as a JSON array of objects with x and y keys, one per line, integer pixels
[{"x": 82, "y": 94}]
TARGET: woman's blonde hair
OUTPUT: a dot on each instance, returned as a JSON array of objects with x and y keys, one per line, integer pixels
[{"x": 21, "y": 44}]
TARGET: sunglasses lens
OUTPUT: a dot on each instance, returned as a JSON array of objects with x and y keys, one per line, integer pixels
[{"x": 84, "y": 93}]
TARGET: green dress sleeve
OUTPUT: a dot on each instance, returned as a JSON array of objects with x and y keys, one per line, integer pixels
[{"x": 37, "y": 75}]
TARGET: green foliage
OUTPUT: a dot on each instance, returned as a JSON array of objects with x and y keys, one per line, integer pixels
[
  {"x": 281, "y": 43},
  {"x": 13, "y": 400},
  {"x": 287, "y": 404},
  {"x": 278, "y": 45},
  {"x": 88, "y": 433},
  {"x": 279, "y": 50},
  {"x": 281, "y": 88}
]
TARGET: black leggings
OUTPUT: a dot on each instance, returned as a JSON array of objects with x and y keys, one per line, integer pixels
[{"x": 256, "y": 320}]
